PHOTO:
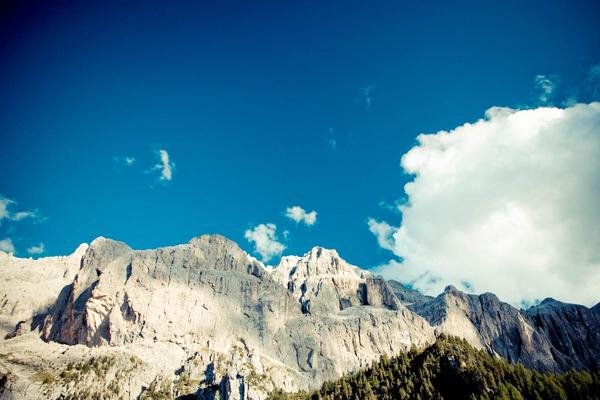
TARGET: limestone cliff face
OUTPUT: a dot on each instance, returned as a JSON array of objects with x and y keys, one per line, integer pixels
[
  {"x": 550, "y": 337},
  {"x": 30, "y": 287},
  {"x": 323, "y": 283},
  {"x": 205, "y": 319},
  {"x": 572, "y": 330},
  {"x": 242, "y": 327}
]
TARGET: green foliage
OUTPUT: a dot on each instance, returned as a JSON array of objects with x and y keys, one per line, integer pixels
[{"x": 452, "y": 369}]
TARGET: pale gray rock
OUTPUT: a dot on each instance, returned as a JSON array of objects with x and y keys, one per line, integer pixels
[
  {"x": 551, "y": 337},
  {"x": 573, "y": 331},
  {"x": 323, "y": 283},
  {"x": 30, "y": 288},
  {"x": 410, "y": 298},
  {"x": 206, "y": 320},
  {"x": 239, "y": 329}
]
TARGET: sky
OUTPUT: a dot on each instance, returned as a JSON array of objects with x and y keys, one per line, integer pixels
[{"x": 286, "y": 125}]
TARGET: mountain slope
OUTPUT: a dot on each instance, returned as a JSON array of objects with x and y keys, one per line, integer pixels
[
  {"x": 205, "y": 319},
  {"x": 235, "y": 328},
  {"x": 30, "y": 287},
  {"x": 553, "y": 336},
  {"x": 452, "y": 369}
]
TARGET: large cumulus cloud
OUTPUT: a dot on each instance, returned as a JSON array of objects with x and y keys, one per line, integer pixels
[{"x": 508, "y": 204}]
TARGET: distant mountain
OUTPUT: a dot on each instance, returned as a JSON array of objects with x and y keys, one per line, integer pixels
[
  {"x": 206, "y": 320},
  {"x": 552, "y": 336}
]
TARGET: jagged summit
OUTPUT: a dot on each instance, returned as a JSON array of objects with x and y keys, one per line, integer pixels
[
  {"x": 451, "y": 288},
  {"x": 213, "y": 239},
  {"x": 549, "y": 301},
  {"x": 206, "y": 309},
  {"x": 208, "y": 306}
]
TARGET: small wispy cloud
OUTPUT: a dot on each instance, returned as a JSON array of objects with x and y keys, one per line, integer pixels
[
  {"x": 6, "y": 245},
  {"x": 544, "y": 88},
  {"x": 265, "y": 241},
  {"x": 4, "y": 203},
  {"x": 21, "y": 215},
  {"x": 299, "y": 214},
  {"x": 165, "y": 166},
  {"x": 593, "y": 81},
  {"x": 367, "y": 95},
  {"x": 5, "y": 213},
  {"x": 594, "y": 71},
  {"x": 34, "y": 250},
  {"x": 125, "y": 161},
  {"x": 330, "y": 138}
]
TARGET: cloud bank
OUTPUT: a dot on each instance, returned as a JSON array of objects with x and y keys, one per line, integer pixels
[
  {"x": 265, "y": 241},
  {"x": 508, "y": 204},
  {"x": 299, "y": 214}
]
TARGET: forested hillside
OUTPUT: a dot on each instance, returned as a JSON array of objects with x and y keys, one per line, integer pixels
[{"x": 452, "y": 369}]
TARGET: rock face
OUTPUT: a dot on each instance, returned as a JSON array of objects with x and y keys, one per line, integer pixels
[
  {"x": 206, "y": 320},
  {"x": 30, "y": 287},
  {"x": 572, "y": 330},
  {"x": 235, "y": 329},
  {"x": 324, "y": 283},
  {"x": 551, "y": 337}
]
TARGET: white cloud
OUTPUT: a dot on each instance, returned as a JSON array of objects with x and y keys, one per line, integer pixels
[
  {"x": 165, "y": 166},
  {"x": 18, "y": 216},
  {"x": 545, "y": 88},
  {"x": 265, "y": 241},
  {"x": 124, "y": 161},
  {"x": 6, "y": 245},
  {"x": 4, "y": 203},
  {"x": 299, "y": 214},
  {"x": 39, "y": 249},
  {"x": 5, "y": 213},
  {"x": 508, "y": 204},
  {"x": 383, "y": 232}
]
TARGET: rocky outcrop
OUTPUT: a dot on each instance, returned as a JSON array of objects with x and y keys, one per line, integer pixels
[
  {"x": 241, "y": 328},
  {"x": 30, "y": 288},
  {"x": 206, "y": 320},
  {"x": 572, "y": 330},
  {"x": 323, "y": 283},
  {"x": 409, "y": 297},
  {"x": 551, "y": 337}
]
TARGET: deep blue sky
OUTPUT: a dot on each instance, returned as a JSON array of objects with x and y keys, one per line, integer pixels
[{"x": 245, "y": 98}]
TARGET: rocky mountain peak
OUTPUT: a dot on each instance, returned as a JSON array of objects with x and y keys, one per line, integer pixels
[
  {"x": 215, "y": 240},
  {"x": 451, "y": 288},
  {"x": 549, "y": 301},
  {"x": 325, "y": 262},
  {"x": 207, "y": 309}
]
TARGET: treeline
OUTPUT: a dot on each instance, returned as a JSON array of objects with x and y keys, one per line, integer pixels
[{"x": 452, "y": 369}]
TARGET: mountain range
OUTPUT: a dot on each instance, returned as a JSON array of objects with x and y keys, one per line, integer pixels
[{"x": 206, "y": 320}]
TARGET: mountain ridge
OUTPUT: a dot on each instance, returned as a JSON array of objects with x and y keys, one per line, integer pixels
[{"x": 236, "y": 328}]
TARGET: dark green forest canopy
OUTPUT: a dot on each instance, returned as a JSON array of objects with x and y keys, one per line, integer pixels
[{"x": 452, "y": 369}]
